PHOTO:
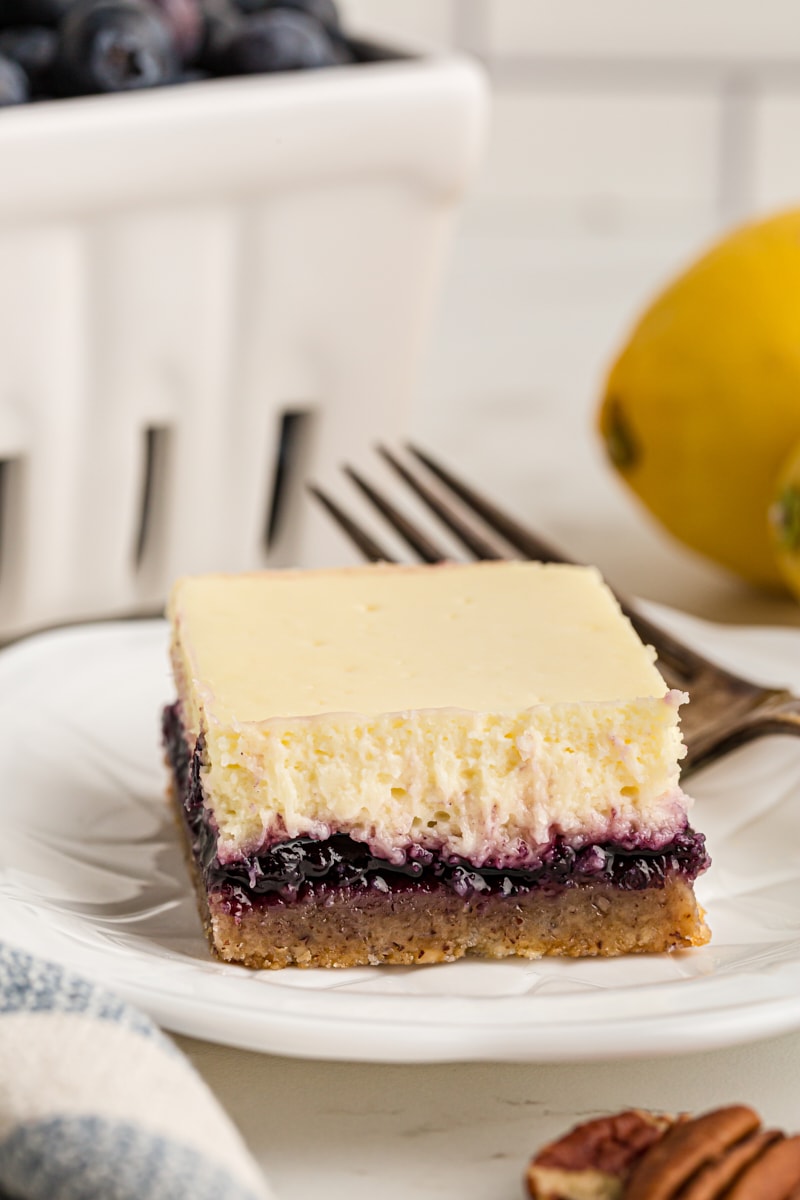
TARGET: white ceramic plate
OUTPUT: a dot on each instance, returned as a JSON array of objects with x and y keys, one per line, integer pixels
[{"x": 91, "y": 874}]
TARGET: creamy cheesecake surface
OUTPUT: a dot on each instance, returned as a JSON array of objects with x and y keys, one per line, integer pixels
[{"x": 479, "y": 710}]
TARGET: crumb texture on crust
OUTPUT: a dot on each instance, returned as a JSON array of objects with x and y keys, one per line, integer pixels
[{"x": 368, "y": 928}]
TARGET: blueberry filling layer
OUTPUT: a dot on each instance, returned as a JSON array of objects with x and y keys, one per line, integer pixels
[{"x": 300, "y": 866}]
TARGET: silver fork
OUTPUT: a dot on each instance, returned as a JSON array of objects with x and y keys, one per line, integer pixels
[{"x": 726, "y": 710}]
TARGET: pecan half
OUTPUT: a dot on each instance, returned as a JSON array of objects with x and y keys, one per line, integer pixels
[
  {"x": 594, "y": 1160},
  {"x": 773, "y": 1176},
  {"x": 636, "y": 1155},
  {"x": 715, "y": 1177},
  {"x": 684, "y": 1149}
]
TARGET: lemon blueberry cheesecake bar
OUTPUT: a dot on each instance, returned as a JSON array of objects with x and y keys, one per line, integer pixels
[{"x": 394, "y": 764}]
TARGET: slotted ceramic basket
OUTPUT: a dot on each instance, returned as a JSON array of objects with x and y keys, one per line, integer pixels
[{"x": 206, "y": 291}]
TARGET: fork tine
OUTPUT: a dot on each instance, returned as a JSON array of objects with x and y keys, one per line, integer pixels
[
  {"x": 473, "y": 541},
  {"x": 516, "y": 535},
  {"x": 364, "y": 541},
  {"x": 427, "y": 550}
]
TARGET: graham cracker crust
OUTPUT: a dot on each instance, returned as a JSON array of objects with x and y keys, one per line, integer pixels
[{"x": 355, "y": 928}]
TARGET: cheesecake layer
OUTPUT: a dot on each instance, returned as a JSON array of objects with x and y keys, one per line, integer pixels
[
  {"x": 299, "y": 868},
  {"x": 485, "y": 712}
]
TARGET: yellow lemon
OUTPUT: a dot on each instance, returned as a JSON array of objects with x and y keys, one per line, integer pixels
[
  {"x": 704, "y": 401},
  {"x": 784, "y": 516}
]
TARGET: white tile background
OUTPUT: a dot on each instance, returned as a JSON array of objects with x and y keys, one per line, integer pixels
[
  {"x": 626, "y": 135},
  {"x": 685, "y": 29}
]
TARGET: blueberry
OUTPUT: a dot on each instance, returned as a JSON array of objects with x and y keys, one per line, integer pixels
[
  {"x": 32, "y": 12},
  {"x": 279, "y": 40},
  {"x": 114, "y": 46},
  {"x": 185, "y": 22},
  {"x": 14, "y": 88},
  {"x": 221, "y": 23},
  {"x": 34, "y": 48},
  {"x": 324, "y": 11},
  {"x": 191, "y": 76}
]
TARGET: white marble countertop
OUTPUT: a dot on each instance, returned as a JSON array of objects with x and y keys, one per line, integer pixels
[{"x": 460, "y": 1131}]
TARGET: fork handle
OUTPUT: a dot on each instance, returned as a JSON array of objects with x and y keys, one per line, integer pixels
[{"x": 780, "y": 714}]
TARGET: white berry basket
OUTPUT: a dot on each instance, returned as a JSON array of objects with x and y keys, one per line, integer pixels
[{"x": 186, "y": 273}]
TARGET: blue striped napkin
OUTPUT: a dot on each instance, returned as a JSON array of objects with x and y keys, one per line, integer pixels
[{"x": 97, "y": 1104}]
